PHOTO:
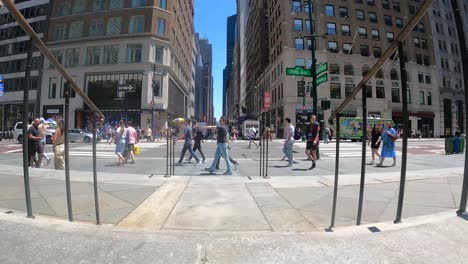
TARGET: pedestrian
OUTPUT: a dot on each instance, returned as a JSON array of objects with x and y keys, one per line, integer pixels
[
  {"x": 252, "y": 134},
  {"x": 222, "y": 145},
  {"x": 327, "y": 136},
  {"x": 58, "y": 140},
  {"x": 34, "y": 143},
  {"x": 312, "y": 132},
  {"x": 376, "y": 138},
  {"x": 187, "y": 143},
  {"x": 232, "y": 160},
  {"x": 43, "y": 129},
  {"x": 109, "y": 133},
  {"x": 198, "y": 139},
  {"x": 148, "y": 134},
  {"x": 120, "y": 142},
  {"x": 330, "y": 136},
  {"x": 388, "y": 149},
  {"x": 132, "y": 139},
  {"x": 289, "y": 142}
]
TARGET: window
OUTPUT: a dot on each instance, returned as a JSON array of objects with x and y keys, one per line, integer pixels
[
  {"x": 96, "y": 28},
  {"x": 345, "y": 30},
  {"x": 333, "y": 46},
  {"x": 138, "y": 3},
  {"x": 161, "y": 26},
  {"x": 111, "y": 54},
  {"x": 390, "y": 37},
  {"x": 52, "y": 88},
  {"x": 428, "y": 78},
  {"x": 429, "y": 98},
  {"x": 347, "y": 48},
  {"x": 417, "y": 42},
  {"x": 396, "y": 6},
  {"x": 93, "y": 55},
  {"x": 156, "y": 85},
  {"x": 331, "y": 28},
  {"x": 372, "y": 17},
  {"x": 76, "y": 30},
  {"x": 78, "y": 6},
  {"x": 412, "y": 9},
  {"x": 422, "y": 98},
  {"x": 365, "y": 70},
  {"x": 137, "y": 24},
  {"x": 420, "y": 77},
  {"x": 375, "y": 34},
  {"x": 335, "y": 90},
  {"x": 163, "y": 4},
  {"x": 365, "y": 50},
  {"x": 398, "y": 22},
  {"x": 380, "y": 91},
  {"x": 385, "y": 4},
  {"x": 377, "y": 52},
  {"x": 298, "y": 24},
  {"x": 344, "y": 12},
  {"x": 360, "y": 15},
  {"x": 309, "y": 44},
  {"x": 114, "y": 25},
  {"x": 371, "y": 2},
  {"x": 329, "y": 10},
  {"x": 368, "y": 91},
  {"x": 300, "y": 62},
  {"x": 420, "y": 28},
  {"x": 58, "y": 54},
  {"x": 348, "y": 89},
  {"x": 334, "y": 68},
  {"x": 134, "y": 52},
  {"x": 395, "y": 95},
  {"x": 426, "y": 60},
  {"x": 394, "y": 75},
  {"x": 306, "y": 8},
  {"x": 308, "y": 26},
  {"x": 296, "y": 6},
  {"x": 348, "y": 69},
  {"x": 99, "y": 5},
  {"x": 299, "y": 43},
  {"x": 362, "y": 32},
  {"x": 72, "y": 57},
  {"x": 300, "y": 88},
  {"x": 63, "y": 9},
  {"x": 60, "y": 32},
  {"x": 388, "y": 20},
  {"x": 116, "y": 4},
  {"x": 379, "y": 74},
  {"x": 159, "y": 54}
]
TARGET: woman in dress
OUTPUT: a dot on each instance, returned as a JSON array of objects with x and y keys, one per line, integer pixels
[
  {"x": 58, "y": 139},
  {"x": 120, "y": 143},
  {"x": 376, "y": 138},
  {"x": 388, "y": 148}
]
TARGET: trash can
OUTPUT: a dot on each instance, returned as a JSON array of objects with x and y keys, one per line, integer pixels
[
  {"x": 461, "y": 145},
  {"x": 448, "y": 145}
]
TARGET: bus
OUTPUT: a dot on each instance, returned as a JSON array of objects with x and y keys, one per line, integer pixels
[{"x": 246, "y": 125}]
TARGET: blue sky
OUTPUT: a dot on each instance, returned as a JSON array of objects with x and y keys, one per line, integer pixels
[{"x": 210, "y": 21}]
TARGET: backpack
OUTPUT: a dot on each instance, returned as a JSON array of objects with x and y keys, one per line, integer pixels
[{"x": 297, "y": 135}]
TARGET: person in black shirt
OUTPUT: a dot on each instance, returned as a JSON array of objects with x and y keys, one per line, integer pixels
[
  {"x": 198, "y": 140},
  {"x": 34, "y": 143},
  {"x": 222, "y": 147},
  {"x": 376, "y": 138}
]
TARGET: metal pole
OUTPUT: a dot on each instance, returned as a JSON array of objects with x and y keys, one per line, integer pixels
[
  {"x": 125, "y": 105},
  {"x": 337, "y": 167},
  {"x": 95, "y": 184},
  {"x": 26, "y": 160},
  {"x": 167, "y": 152},
  {"x": 363, "y": 158},
  {"x": 173, "y": 155},
  {"x": 260, "y": 143},
  {"x": 404, "y": 152},
  {"x": 152, "y": 118},
  {"x": 267, "y": 152},
  {"x": 314, "y": 59},
  {"x": 67, "y": 152},
  {"x": 464, "y": 56}
]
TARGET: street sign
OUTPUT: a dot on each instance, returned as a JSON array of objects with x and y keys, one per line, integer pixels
[
  {"x": 298, "y": 71},
  {"x": 267, "y": 100},
  {"x": 322, "y": 67},
  {"x": 2, "y": 88},
  {"x": 321, "y": 79},
  {"x": 125, "y": 88}
]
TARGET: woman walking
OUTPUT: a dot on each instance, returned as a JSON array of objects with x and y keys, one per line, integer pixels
[
  {"x": 120, "y": 142},
  {"x": 376, "y": 138},
  {"x": 43, "y": 129},
  {"x": 388, "y": 148},
  {"x": 57, "y": 140}
]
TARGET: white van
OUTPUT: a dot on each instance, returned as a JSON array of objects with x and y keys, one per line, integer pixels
[{"x": 18, "y": 132}]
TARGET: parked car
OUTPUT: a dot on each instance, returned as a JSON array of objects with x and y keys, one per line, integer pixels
[
  {"x": 1, "y": 136},
  {"x": 18, "y": 132},
  {"x": 78, "y": 135}
]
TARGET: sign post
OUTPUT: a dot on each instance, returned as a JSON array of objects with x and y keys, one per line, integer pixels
[
  {"x": 299, "y": 71},
  {"x": 321, "y": 79},
  {"x": 125, "y": 88},
  {"x": 321, "y": 68}
]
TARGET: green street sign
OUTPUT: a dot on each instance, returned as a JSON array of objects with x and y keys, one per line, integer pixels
[
  {"x": 322, "y": 67},
  {"x": 321, "y": 79},
  {"x": 298, "y": 71}
]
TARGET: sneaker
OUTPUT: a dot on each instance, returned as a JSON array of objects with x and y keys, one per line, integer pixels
[
  {"x": 198, "y": 163},
  {"x": 48, "y": 161},
  {"x": 283, "y": 158},
  {"x": 313, "y": 166},
  {"x": 178, "y": 164},
  {"x": 227, "y": 173},
  {"x": 289, "y": 165},
  {"x": 295, "y": 161},
  {"x": 393, "y": 165},
  {"x": 204, "y": 161},
  {"x": 372, "y": 163}
]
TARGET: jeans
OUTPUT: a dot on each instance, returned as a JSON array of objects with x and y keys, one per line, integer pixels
[
  {"x": 43, "y": 143},
  {"x": 221, "y": 150},
  {"x": 195, "y": 148},
  {"x": 288, "y": 151},
  {"x": 233, "y": 161},
  {"x": 188, "y": 146}
]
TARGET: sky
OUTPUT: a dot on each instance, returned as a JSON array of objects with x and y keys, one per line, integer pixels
[{"x": 210, "y": 21}]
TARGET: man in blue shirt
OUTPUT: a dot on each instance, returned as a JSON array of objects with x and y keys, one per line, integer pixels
[
  {"x": 188, "y": 143},
  {"x": 222, "y": 140}
]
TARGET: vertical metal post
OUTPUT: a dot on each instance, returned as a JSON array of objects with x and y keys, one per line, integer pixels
[
  {"x": 337, "y": 167},
  {"x": 173, "y": 153},
  {"x": 95, "y": 184},
  {"x": 464, "y": 56},
  {"x": 152, "y": 118},
  {"x": 404, "y": 152},
  {"x": 260, "y": 143},
  {"x": 267, "y": 152},
  {"x": 167, "y": 152},
  {"x": 125, "y": 106},
  {"x": 27, "y": 189},
  {"x": 363, "y": 158},
  {"x": 314, "y": 59},
  {"x": 67, "y": 152}
]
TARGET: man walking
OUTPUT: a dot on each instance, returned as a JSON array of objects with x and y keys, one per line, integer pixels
[
  {"x": 252, "y": 134},
  {"x": 34, "y": 143},
  {"x": 198, "y": 140},
  {"x": 312, "y": 132},
  {"x": 132, "y": 139},
  {"x": 188, "y": 143},
  {"x": 289, "y": 142},
  {"x": 222, "y": 147}
]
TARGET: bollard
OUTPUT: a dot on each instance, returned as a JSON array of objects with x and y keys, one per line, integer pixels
[
  {"x": 337, "y": 167},
  {"x": 96, "y": 197},
  {"x": 67, "y": 152},
  {"x": 167, "y": 153},
  {"x": 363, "y": 158},
  {"x": 267, "y": 153}
]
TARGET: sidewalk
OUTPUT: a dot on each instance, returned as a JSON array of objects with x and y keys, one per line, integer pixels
[{"x": 280, "y": 204}]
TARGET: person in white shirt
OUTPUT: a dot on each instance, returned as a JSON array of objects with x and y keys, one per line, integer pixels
[
  {"x": 289, "y": 142},
  {"x": 252, "y": 134}
]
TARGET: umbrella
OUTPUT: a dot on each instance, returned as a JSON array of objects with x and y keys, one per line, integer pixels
[{"x": 178, "y": 120}]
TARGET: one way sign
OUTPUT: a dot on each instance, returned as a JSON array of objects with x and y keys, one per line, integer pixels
[{"x": 125, "y": 88}]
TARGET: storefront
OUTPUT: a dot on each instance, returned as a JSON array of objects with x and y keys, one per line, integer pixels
[
  {"x": 12, "y": 113},
  {"x": 421, "y": 122}
]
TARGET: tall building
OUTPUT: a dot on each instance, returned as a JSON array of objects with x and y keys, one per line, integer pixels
[
  {"x": 449, "y": 65},
  {"x": 14, "y": 46},
  {"x": 107, "y": 43},
  {"x": 230, "y": 43},
  {"x": 243, "y": 11},
  {"x": 357, "y": 34},
  {"x": 206, "y": 52}
]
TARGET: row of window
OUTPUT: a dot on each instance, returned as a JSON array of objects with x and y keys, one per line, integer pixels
[
  {"x": 15, "y": 48},
  {"x": 14, "y": 66},
  {"x": 360, "y": 14},
  {"x": 97, "y": 27},
  {"x": 29, "y": 12},
  {"x": 18, "y": 84},
  {"x": 440, "y": 28},
  {"x": 443, "y": 47},
  {"x": 79, "y": 6},
  {"x": 17, "y": 31}
]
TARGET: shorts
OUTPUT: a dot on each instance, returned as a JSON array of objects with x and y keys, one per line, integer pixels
[
  {"x": 131, "y": 147},
  {"x": 311, "y": 146},
  {"x": 33, "y": 149},
  {"x": 375, "y": 146}
]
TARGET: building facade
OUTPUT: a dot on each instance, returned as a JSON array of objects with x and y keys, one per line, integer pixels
[
  {"x": 207, "y": 108},
  {"x": 14, "y": 46},
  {"x": 227, "y": 72},
  {"x": 353, "y": 35},
  {"x": 106, "y": 43}
]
